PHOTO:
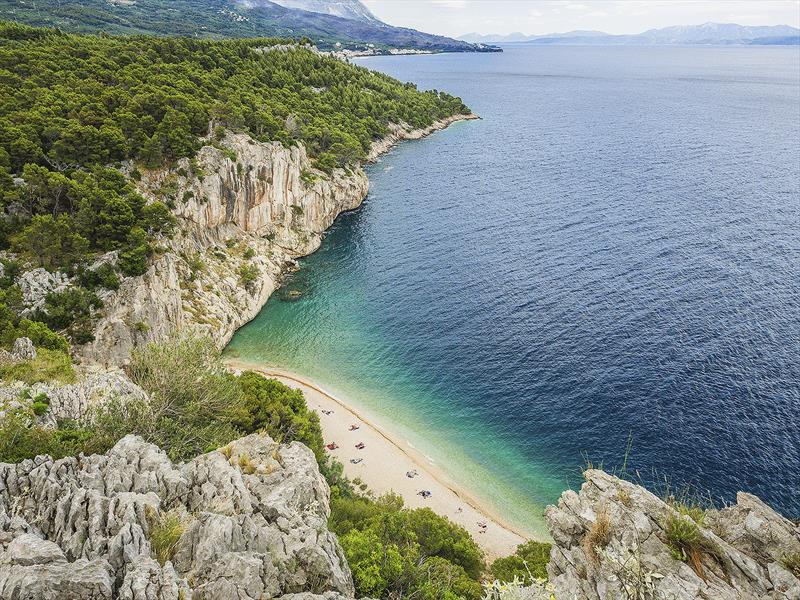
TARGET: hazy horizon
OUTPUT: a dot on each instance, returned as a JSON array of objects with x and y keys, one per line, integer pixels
[{"x": 456, "y": 18}]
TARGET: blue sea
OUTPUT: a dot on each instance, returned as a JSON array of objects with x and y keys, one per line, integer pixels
[{"x": 611, "y": 256}]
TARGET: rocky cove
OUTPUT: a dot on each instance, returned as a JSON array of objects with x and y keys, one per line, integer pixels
[
  {"x": 249, "y": 203},
  {"x": 256, "y": 510}
]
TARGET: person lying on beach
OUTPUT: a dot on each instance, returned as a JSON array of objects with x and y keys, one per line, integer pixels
[
  {"x": 332, "y": 446},
  {"x": 411, "y": 474},
  {"x": 355, "y": 461},
  {"x": 353, "y": 427},
  {"x": 327, "y": 412},
  {"x": 361, "y": 445}
]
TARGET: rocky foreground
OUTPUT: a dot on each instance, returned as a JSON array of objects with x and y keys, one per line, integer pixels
[
  {"x": 615, "y": 539},
  {"x": 248, "y": 521}
]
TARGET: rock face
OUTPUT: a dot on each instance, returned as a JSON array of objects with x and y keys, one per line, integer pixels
[
  {"x": 402, "y": 132},
  {"x": 611, "y": 541},
  {"x": 37, "y": 283},
  {"x": 251, "y": 206},
  {"x": 250, "y": 522}
]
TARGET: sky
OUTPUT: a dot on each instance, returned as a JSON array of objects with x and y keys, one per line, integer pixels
[{"x": 457, "y": 17}]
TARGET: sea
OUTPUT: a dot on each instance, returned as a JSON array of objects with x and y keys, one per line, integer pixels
[{"x": 602, "y": 271}]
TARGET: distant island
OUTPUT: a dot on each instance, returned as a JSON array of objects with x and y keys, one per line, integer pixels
[{"x": 708, "y": 34}]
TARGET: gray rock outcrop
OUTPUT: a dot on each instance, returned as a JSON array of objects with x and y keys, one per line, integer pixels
[
  {"x": 613, "y": 540},
  {"x": 37, "y": 283},
  {"x": 248, "y": 521},
  {"x": 23, "y": 349}
]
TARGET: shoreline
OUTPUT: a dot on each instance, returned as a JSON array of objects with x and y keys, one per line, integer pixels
[{"x": 387, "y": 458}]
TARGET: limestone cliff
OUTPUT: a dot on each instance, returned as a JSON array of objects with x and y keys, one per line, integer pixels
[
  {"x": 249, "y": 205},
  {"x": 246, "y": 210}
]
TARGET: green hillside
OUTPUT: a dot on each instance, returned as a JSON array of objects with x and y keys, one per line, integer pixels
[
  {"x": 219, "y": 19},
  {"x": 73, "y": 106}
]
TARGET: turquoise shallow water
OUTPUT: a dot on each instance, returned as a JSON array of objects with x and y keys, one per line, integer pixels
[{"x": 612, "y": 251}]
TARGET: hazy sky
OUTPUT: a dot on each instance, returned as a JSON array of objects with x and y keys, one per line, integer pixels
[{"x": 457, "y": 17}]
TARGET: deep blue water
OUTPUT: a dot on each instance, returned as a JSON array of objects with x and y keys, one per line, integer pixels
[{"x": 612, "y": 251}]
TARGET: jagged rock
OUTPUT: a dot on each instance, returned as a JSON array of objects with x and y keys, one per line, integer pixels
[
  {"x": 27, "y": 550},
  {"x": 37, "y": 283},
  {"x": 742, "y": 544},
  {"x": 310, "y": 596},
  {"x": 23, "y": 349},
  {"x": 78, "y": 401},
  {"x": 254, "y": 518}
]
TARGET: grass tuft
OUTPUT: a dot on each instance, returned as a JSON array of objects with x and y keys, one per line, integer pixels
[
  {"x": 166, "y": 529},
  {"x": 49, "y": 365},
  {"x": 598, "y": 536},
  {"x": 792, "y": 562},
  {"x": 246, "y": 465}
]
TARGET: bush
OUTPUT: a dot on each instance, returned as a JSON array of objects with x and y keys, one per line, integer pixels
[
  {"x": 21, "y": 437},
  {"x": 42, "y": 336},
  {"x": 248, "y": 275},
  {"x": 103, "y": 276},
  {"x": 49, "y": 365},
  {"x": 72, "y": 311},
  {"x": 269, "y": 405},
  {"x": 396, "y": 552},
  {"x": 530, "y": 559},
  {"x": 193, "y": 398}
]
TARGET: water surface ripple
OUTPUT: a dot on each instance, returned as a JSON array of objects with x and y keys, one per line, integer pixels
[{"x": 613, "y": 250}]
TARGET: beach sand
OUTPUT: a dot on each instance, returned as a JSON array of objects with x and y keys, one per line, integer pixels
[{"x": 387, "y": 459}]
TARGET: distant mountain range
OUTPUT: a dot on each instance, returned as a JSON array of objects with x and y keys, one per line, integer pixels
[
  {"x": 706, "y": 34},
  {"x": 330, "y": 24}
]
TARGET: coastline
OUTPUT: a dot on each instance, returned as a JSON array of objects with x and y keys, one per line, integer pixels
[{"x": 387, "y": 458}]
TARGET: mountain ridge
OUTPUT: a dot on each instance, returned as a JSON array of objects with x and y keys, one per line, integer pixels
[
  {"x": 704, "y": 34},
  {"x": 218, "y": 19}
]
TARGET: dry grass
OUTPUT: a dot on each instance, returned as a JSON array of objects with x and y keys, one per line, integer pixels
[
  {"x": 624, "y": 497},
  {"x": 792, "y": 562},
  {"x": 227, "y": 451},
  {"x": 246, "y": 465},
  {"x": 598, "y": 536},
  {"x": 686, "y": 540},
  {"x": 166, "y": 529}
]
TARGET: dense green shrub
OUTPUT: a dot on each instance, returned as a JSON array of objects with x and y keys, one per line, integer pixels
[
  {"x": 281, "y": 411},
  {"x": 21, "y": 437},
  {"x": 248, "y": 275},
  {"x": 529, "y": 560},
  {"x": 71, "y": 311},
  {"x": 193, "y": 398},
  {"x": 397, "y": 552},
  {"x": 103, "y": 276}
]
